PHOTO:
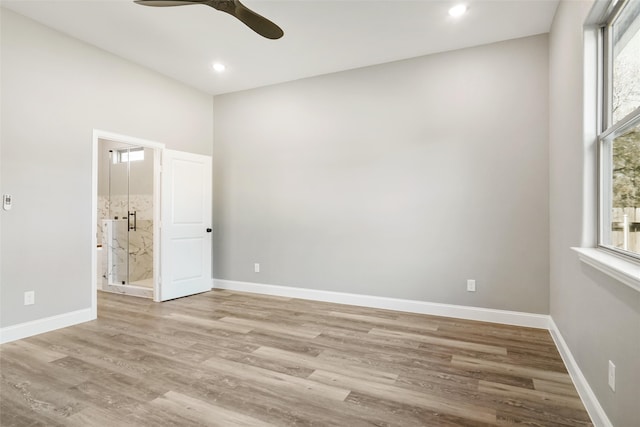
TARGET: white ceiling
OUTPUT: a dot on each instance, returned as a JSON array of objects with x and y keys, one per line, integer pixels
[{"x": 321, "y": 36}]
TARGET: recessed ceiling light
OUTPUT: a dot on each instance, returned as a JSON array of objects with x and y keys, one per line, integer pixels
[
  {"x": 458, "y": 10},
  {"x": 219, "y": 67}
]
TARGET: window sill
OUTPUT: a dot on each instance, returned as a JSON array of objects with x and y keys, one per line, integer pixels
[{"x": 620, "y": 269}]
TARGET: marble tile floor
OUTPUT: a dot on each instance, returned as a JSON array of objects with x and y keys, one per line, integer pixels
[{"x": 145, "y": 283}]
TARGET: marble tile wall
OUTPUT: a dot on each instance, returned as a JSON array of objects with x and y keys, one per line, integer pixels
[
  {"x": 141, "y": 203},
  {"x": 141, "y": 251},
  {"x": 116, "y": 251}
]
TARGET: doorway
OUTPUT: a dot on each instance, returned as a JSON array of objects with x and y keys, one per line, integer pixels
[{"x": 126, "y": 191}]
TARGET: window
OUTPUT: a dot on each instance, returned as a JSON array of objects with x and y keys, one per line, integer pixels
[
  {"x": 128, "y": 155},
  {"x": 619, "y": 139}
]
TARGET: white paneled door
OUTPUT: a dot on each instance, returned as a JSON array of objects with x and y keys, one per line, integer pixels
[{"x": 185, "y": 260}]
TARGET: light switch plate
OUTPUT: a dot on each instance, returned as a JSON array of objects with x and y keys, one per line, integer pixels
[{"x": 7, "y": 201}]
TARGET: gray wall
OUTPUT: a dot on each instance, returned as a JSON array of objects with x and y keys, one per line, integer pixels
[
  {"x": 55, "y": 91},
  {"x": 400, "y": 180},
  {"x": 598, "y": 317}
]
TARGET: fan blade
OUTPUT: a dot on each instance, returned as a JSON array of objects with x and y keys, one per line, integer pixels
[
  {"x": 166, "y": 3},
  {"x": 251, "y": 19},
  {"x": 257, "y": 23}
]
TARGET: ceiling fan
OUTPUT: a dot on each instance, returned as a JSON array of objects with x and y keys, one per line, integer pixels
[{"x": 257, "y": 23}]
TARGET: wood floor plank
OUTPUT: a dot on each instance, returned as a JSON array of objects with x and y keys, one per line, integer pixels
[
  {"x": 411, "y": 363},
  {"x": 385, "y": 321},
  {"x": 283, "y": 342},
  {"x": 527, "y": 394},
  {"x": 223, "y": 323},
  {"x": 282, "y": 366},
  {"x": 525, "y": 411},
  {"x": 271, "y": 327},
  {"x": 93, "y": 416},
  {"x": 560, "y": 389},
  {"x": 205, "y": 413},
  {"x": 18, "y": 413},
  {"x": 232, "y": 358},
  {"x": 270, "y": 404},
  {"x": 393, "y": 413},
  {"x": 38, "y": 352},
  {"x": 439, "y": 341},
  {"x": 523, "y": 371},
  {"x": 286, "y": 383},
  {"x": 383, "y": 342},
  {"x": 406, "y": 396},
  {"x": 313, "y": 363},
  {"x": 39, "y": 394}
]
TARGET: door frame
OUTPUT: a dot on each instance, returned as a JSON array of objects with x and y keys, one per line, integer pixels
[{"x": 131, "y": 140}]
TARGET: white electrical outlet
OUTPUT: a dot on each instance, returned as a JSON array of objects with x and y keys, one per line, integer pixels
[
  {"x": 29, "y": 298},
  {"x": 612, "y": 376},
  {"x": 256, "y": 267},
  {"x": 471, "y": 285}
]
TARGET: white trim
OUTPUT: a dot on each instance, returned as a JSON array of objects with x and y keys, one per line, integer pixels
[
  {"x": 157, "y": 223},
  {"x": 531, "y": 320},
  {"x": 126, "y": 139},
  {"x": 94, "y": 224},
  {"x": 620, "y": 269},
  {"x": 589, "y": 399},
  {"x": 35, "y": 327}
]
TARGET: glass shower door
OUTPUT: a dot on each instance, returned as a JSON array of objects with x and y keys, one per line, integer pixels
[
  {"x": 117, "y": 230},
  {"x": 129, "y": 228}
]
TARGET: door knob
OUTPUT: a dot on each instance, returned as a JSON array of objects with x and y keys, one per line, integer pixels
[{"x": 209, "y": 230}]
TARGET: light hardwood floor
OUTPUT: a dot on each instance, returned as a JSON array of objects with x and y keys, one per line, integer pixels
[{"x": 235, "y": 359}]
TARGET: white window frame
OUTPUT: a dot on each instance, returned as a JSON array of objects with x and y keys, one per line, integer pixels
[
  {"x": 608, "y": 132},
  {"x": 125, "y": 155}
]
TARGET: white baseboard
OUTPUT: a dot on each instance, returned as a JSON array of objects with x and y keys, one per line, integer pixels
[
  {"x": 540, "y": 321},
  {"x": 597, "y": 414},
  {"x": 35, "y": 327}
]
